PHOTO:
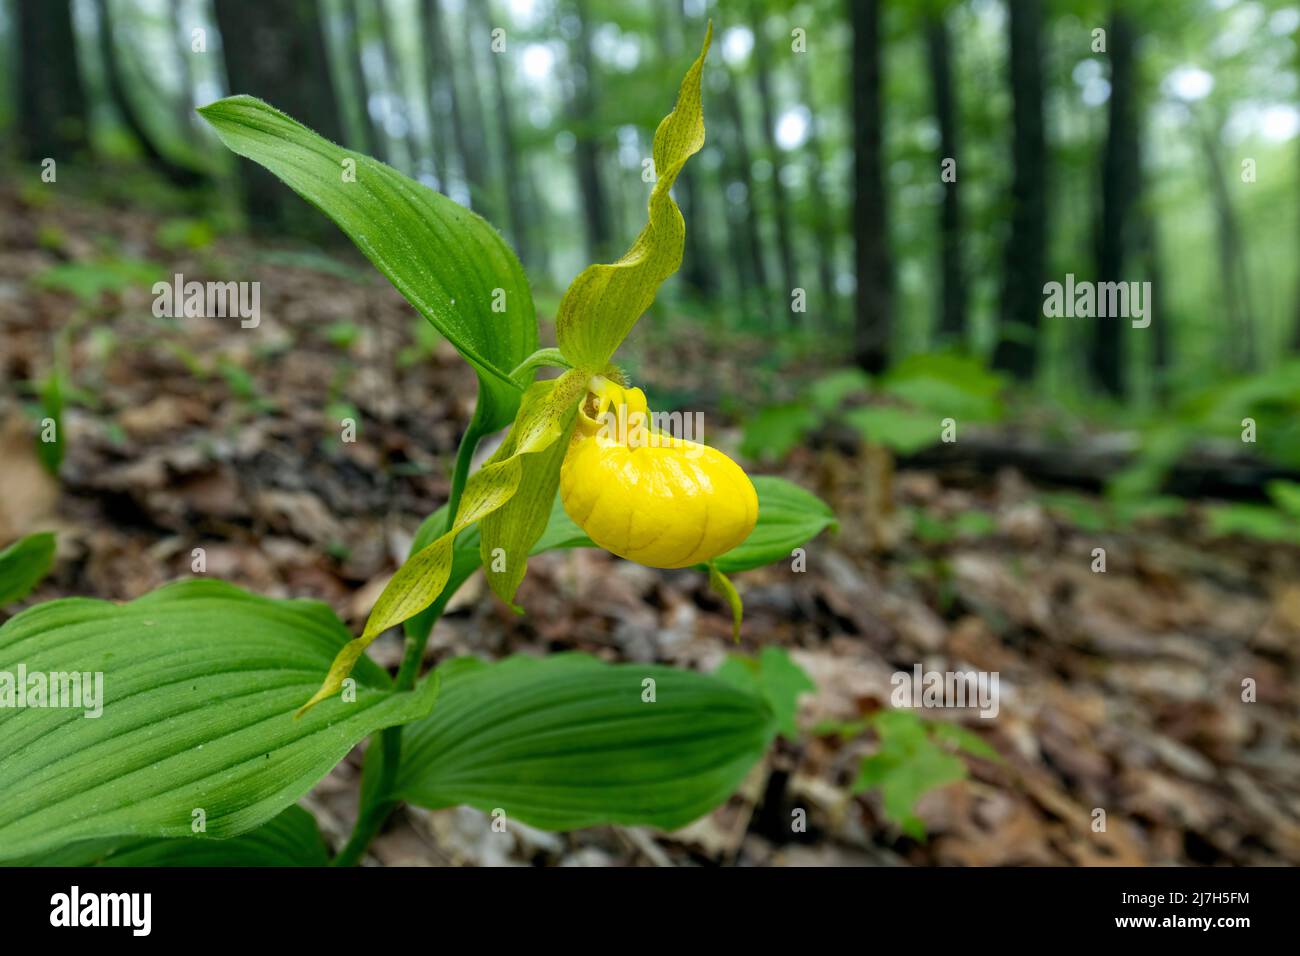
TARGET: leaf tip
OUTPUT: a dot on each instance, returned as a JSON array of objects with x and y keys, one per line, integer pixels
[
  {"x": 210, "y": 110},
  {"x": 722, "y": 586},
  {"x": 316, "y": 698}
]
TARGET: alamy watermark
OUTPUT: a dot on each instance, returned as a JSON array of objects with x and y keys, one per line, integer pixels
[
  {"x": 179, "y": 299},
  {"x": 1101, "y": 300},
  {"x": 654, "y": 429},
  {"x": 936, "y": 689},
  {"x": 75, "y": 908},
  {"x": 66, "y": 690}
]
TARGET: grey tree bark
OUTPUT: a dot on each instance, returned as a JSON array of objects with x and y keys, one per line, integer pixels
[
  {"x": 276, "y": 51},
  {"x": 114, "y": 77},
  {"x": 587, "y": 152},
  {"x": 376, "y": 144},
  {"x": 1026, "y": 248},
  {"x": 52, "y": 120},
  {"x": 952, "y": 301},
  {"x": 873, "y": 315},
  {"x": 1120, "y": 186},
  {"x": 767, "y": 102}
]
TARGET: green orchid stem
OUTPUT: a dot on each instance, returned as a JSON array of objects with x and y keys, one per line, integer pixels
[
  {"x": 464, "y": 456},
  {"x": 377, "y": 802},
  {"x": 373, "y": 812},
  {"x": 551, "y": 356}
]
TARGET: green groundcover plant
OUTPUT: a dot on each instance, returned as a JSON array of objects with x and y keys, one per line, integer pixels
[{"x": 182, "y": 727}]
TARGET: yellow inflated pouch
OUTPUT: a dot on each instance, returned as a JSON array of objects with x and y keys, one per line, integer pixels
[{"x": 649, "y": 496}]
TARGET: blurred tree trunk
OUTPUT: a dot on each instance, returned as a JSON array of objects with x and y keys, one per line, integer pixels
[
  {"x": 952, "y": 305},
  {"x": 699, "y": 267},
  {"x": 468, "y": 144},
  {"x": 747, "y": 238},
  {"x": 375, "y": 143},
  {"x": 1120, "y": 178},
  {"x": 518, "y": 184},
  {"x": 51, "y": 100},
  {"x": 873, "y": 318},
  {"x": 1240, "y": 344},
  {"x": 1148, "y": 242},
  {"x": 437, "y": 97},
  {"x": 582, "y": 112},
  {"x": 276, "y": 51},
  {"x": 1026, "y": 249},
  {"x": 823, "y": 221},
  {"x": 1295, "y": 331},
  {"x": 699, "y": 271},
  {"x": 470, "y": 84},
  {"x": 780, "y": 205},
  {"x": 117, "y": 92},
  {"x": 396, "y": 86},
  {"x": 185, "y": 96}
]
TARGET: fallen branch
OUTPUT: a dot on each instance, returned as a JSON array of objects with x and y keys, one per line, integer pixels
[{"x": 1204, "y": 472}]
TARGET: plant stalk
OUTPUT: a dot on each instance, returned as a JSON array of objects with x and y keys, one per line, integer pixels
[{"x": 377, "y": 801}]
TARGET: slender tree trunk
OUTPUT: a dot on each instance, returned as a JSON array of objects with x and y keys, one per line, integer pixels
[
  {"x": 471, "y": 85},
  {"x": 437, "y": 97},
  {"x": 1148, "y": 242},
  {"x": 51, "y": 101},
  {"x": 1022, "y": 301},
  {"x": 952, "y": 303},
  {"x": 1295, "y": 331},
  {"x": 375, "y": 142},
  {"x": 113, "y": 75},
  {"x": 699, "y": 270},
  {"x": 743, "y": 215},
  {"x": 587, "y": 152},
  {"x": 822, "y": 214},
  {"x": 746, "y": 263},
  {"x": 396, "y": 85},
  {"x": 780, "y": 205},
  {"x": 1120, "y": 177},
  {"x": 185, "y": 96},
  {"x": 276, "y": 51},
  {"x": 472, "y": 161},
  {"x": 1240, "y": 345},
  {"x": 873, "y": 320},
  {"x": 518, "y": 189}
]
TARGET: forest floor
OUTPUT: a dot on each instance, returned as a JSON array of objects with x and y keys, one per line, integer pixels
[{"x": 1120, "y": 691}]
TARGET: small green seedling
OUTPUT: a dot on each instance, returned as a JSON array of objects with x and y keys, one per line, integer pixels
[{"x": 913, "y": 756}]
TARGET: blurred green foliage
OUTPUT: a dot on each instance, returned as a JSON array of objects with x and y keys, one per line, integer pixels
[{"x": 912, "y": 757}]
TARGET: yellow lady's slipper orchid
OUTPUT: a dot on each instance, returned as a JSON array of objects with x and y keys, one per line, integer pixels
[{"x": 648, "y": 496}]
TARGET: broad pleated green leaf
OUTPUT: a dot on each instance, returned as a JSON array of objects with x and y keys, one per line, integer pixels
[
  {"x": 566, "y": 742},
  {"x": 291, "y": 838},
  {"x": 788, "y": 518},
  {"x": 199, "y": 684},
  {"x": 420, "y": 581},
  {"x": 23, "y": 564},
  {"x": 606, "y": 300},
  {"x": 449, "y": 263}
]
